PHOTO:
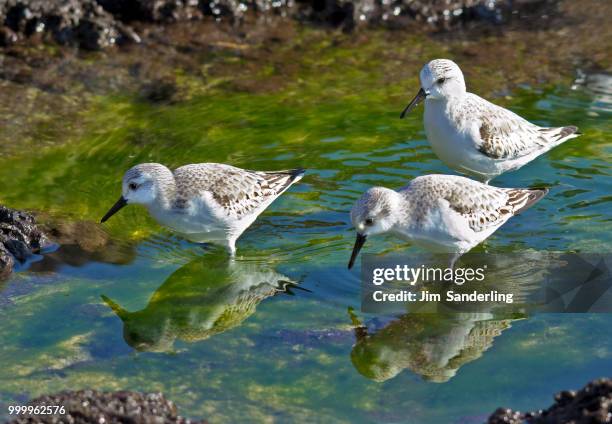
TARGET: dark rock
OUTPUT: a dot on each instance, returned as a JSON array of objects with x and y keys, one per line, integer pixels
[
  {"x": 90, "y": 406},
  {"x": 590, "y": 405},
  {"x": 152, "y": 10},
  {"x": 79, "y": 243},
  {"x": 438, "y": 14},
  {"x": 505, "y": 416},
  {"x": 19, "y": 249},
  {"x": 95, "y": 24},
  {"x": 80, "y": 22},
  {"x": 6, "y": 263},
  {"x": 20, "y": 237},
  {"x": 159, "y": 91}
]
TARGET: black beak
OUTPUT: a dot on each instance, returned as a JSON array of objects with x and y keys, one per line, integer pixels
[
  {"x": 417, "y": 99},
  {"x": 358, "y": 245},
  {"x": 118, "y": 205}
]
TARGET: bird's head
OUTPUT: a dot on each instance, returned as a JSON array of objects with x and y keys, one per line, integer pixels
[
  {"x": 440, "y": 79},
  {"x": 374, "y": 213},
  {"x": 142, "y": 185}
]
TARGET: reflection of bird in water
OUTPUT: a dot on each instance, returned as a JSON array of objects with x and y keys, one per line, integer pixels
[
  {"x": 433, "y": 346},
  {"x": 203, "y": 298},
  {"x": 436, "y": 345}
]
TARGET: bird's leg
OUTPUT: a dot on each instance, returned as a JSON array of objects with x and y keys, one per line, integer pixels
[
  {"x": 231, "y": 247},
  {"x": 361, "y": 331},
  {"x": 453, "y": 260}
]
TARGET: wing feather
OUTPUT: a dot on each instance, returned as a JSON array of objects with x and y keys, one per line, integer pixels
[
  {"x": 236, "y": 192},
  {"x": 502, "y": 134},
  {"x": 482, "y": 206}
]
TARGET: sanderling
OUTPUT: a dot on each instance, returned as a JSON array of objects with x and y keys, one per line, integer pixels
[
  {"x": 205, "y": 202},
  {"x": 472, "y": 135},
  {"x": 443, "y": 213}
]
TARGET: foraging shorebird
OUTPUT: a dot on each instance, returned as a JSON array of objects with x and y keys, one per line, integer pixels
[
  {"x": 205, "y": 202},
  {"x": 472, "y": 135},
  {"x": 443, "y": 213}
]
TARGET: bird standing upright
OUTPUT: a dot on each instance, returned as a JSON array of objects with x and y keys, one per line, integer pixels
[{"x": 472, "y": 135}]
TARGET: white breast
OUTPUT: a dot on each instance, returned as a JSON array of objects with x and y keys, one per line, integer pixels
[
  {"x": 453, "y": 142},
  {"x": 195, "y": 222},
  {"x": 441, "y": 230}
]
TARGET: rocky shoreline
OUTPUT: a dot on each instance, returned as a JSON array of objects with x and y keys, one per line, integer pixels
[
  {"x": 97, "y": 24},
  {"x": 182, "y": 55},
  {"x": 590, "y": 405},
  {"x": 91, "y": 406}
]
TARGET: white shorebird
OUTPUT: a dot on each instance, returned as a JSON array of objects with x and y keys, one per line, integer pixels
[
  {"x": 443, "y": 213},
  {"x": 205, "y": 202},
  {"x": 472, "y": 135}
]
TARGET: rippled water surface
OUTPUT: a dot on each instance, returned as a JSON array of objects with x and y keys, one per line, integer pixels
[{"x": 271, "y": 336}]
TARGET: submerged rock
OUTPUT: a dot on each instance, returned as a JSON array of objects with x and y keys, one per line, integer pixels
[
  {"x": 590, "y": 405},
  {"x": 91, "y": 406},
  {"x": 20, "y": 237},
  {"x": 79, "y": 243}
]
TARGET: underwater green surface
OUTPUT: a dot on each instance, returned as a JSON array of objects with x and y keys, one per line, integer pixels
[{"x": 271, "y": 336}]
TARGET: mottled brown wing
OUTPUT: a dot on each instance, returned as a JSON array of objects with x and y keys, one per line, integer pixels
[
  {"x": 236, "y": 191},
  {"x": 482, "y": 213},
  {"x": 483, "y": 206},
  {"x": 505, "y": 135}
]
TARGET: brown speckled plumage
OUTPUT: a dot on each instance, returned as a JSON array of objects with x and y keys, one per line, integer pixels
[
  {"x": 482, "y": 205},
  {"x": 237, "y": 191}
]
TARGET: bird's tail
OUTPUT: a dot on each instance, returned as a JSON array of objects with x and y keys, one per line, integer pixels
[
  {"x": 560, "y": 135},
  {"x": 520, "y": 199},
  {"x": 121, "y": 313},
  {"x": 282, "y": 180}
]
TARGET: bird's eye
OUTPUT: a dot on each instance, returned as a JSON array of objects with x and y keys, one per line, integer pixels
[
  {"x": 441, "y": 80},
  {"x": 133, "y": 186},
  {"x": 369, "y": 221}
]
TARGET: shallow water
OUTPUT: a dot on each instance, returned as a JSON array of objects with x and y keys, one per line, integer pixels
[{"x": 271, "y": 336}]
